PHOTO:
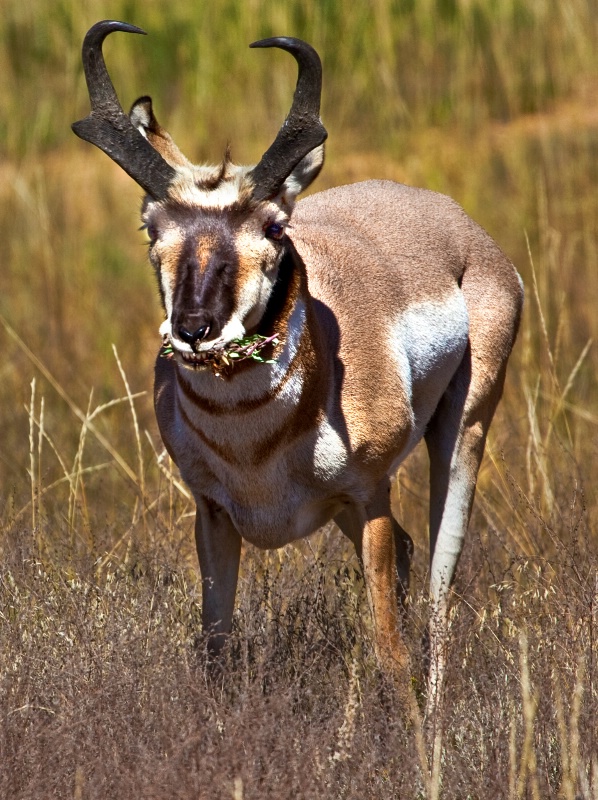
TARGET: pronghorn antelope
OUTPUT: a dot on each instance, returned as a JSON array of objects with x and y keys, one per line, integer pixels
[{"x": 387, "y": 316}]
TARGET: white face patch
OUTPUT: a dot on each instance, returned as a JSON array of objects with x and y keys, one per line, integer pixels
[
  {"x": 165, "y": 328},
  {"x": 187, "y": 187},
  {"x": 252, "y": 297},
  {"x": 234, "y": 329}
]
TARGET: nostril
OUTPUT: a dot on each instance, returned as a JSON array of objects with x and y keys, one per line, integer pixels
[
  {"x": 190, "y": 338},
  {"x": 201, "y": 333},
  {"x": 185, "y": 335}
]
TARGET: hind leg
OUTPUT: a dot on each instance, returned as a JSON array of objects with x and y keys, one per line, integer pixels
[
  {"x": 351, "y": 525},
  {"x": 403, "y": 557},
  {"x": 380, "y": 544},
  {"x": 457, "y": 432},
  {"x": 455, "y": 439}
]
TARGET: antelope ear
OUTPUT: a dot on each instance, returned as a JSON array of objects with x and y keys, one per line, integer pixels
[
  {"x": 306, "y": 171},
  {"x": 143, "y": 118}
]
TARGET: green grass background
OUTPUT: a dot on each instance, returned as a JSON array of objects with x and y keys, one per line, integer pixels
[{"x": 493, "y": 102}]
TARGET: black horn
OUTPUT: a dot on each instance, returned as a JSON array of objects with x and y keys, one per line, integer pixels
[
  {"x": 302, "y": 130},
  {"x": 109, "y": 128}
]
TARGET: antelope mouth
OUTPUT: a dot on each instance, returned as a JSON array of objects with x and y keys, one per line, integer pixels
[
  {"x": 214, "y": 357},
  {"x": 222, "y": 360},
  {"x": 200, "y": 359}
]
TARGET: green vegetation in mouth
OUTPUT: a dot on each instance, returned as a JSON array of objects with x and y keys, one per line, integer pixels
[{"x": 223, "y": 360}]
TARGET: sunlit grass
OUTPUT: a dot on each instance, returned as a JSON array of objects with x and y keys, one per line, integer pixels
[
  {"x": 395, "y": 63},
  {"x": 492, "y": 103}
]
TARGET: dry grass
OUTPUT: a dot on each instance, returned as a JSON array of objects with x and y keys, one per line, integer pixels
[{"x": 103, "y": 691}]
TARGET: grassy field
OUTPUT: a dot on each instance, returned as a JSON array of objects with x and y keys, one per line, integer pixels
[{"x": 102, "y": 691}]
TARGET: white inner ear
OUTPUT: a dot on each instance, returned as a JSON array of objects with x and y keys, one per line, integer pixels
[
  {"x": 306, "y": 171},
  {"x": 140, "y": 118}
]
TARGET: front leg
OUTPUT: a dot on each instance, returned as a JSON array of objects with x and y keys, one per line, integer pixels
[{"x": 219, "y": 552}]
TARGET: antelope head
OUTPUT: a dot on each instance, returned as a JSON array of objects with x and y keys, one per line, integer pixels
[{"x": 217, "y": 234}]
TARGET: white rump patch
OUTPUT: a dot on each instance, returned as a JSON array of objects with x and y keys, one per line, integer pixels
[{"x": 428, "y": 341}]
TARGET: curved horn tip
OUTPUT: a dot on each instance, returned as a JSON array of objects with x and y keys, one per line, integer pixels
[
  {"x": 101, "y": 29},
  {"x": 285, "y": 42}
]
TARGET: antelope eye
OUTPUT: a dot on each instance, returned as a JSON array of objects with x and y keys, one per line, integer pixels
[
  {"x": 274, "y": 230},
  {"x": 152, "y": 232}
]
